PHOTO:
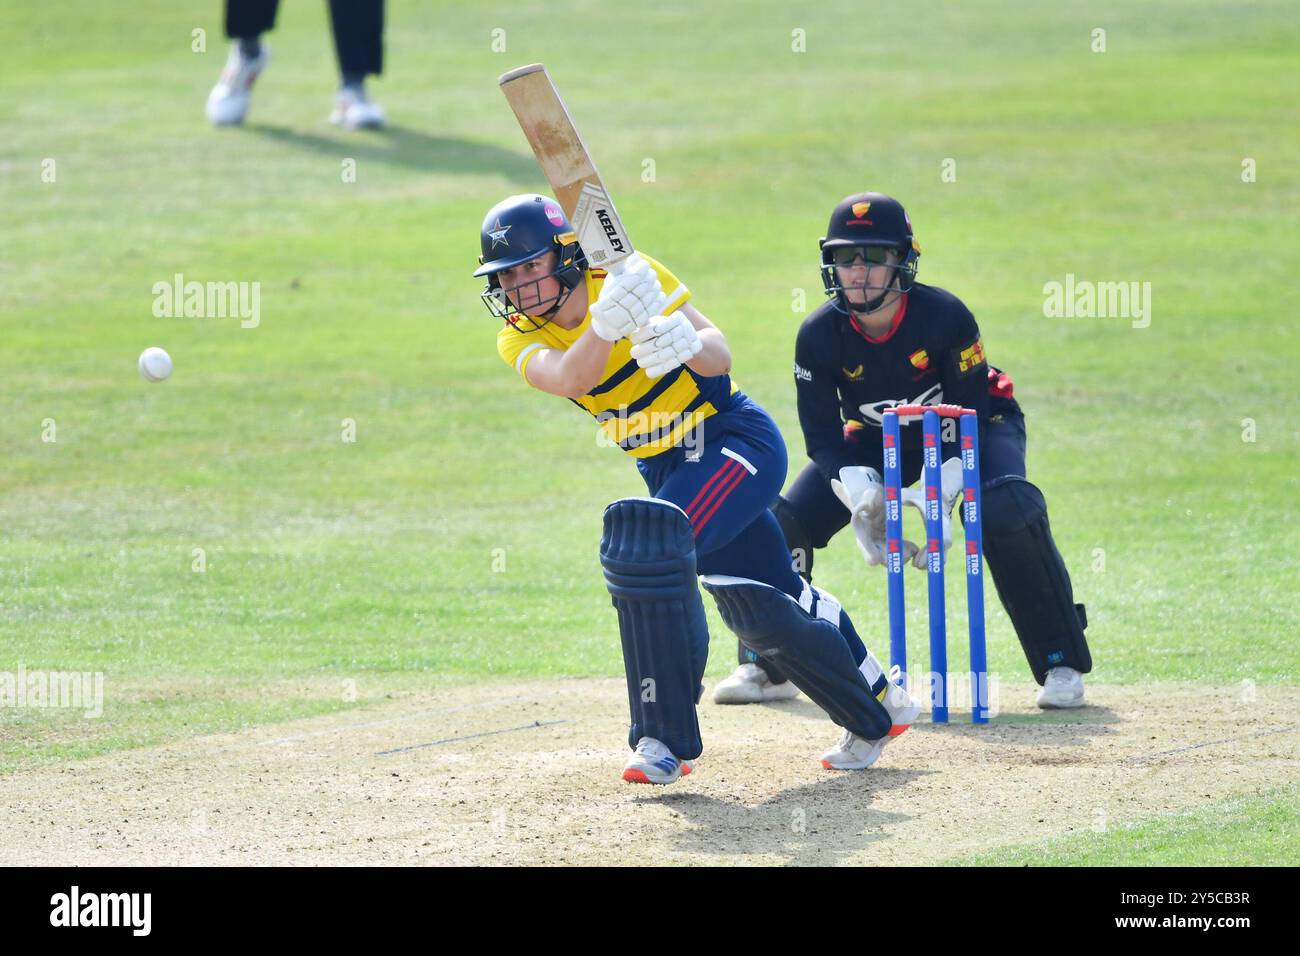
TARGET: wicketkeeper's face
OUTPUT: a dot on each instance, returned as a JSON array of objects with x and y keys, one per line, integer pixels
[
  {"x": 531, "y": 284},
  {"x": 864, "y": 271}
]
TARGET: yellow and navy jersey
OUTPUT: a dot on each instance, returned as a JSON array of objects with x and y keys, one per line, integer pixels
[{"x": 643, "y": 416}]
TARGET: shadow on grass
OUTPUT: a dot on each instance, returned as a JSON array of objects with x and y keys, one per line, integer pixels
[{"x": 409, "y": 148}]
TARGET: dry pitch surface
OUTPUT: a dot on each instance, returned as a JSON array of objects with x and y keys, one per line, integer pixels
[{"x": 528, "y": 773}]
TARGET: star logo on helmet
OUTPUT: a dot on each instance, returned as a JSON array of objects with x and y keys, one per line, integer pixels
[{"x": 498, "y": 234}]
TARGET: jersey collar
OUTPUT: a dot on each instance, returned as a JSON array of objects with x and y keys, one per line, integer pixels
[{"x": 893, "y": 325}]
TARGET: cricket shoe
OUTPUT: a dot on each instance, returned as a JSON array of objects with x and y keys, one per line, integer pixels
[
  {"x": 1063, "y": 688},
  {"x": 858, "y": 753},
  {"x": 749, "y": 684},
  {"x": 354, "y": 110},
  {"x": 228, "y": 101},
  {"x": 652, "y": 762}
]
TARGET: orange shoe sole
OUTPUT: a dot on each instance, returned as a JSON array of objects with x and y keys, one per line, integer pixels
[{"x": 632, "y": 775}]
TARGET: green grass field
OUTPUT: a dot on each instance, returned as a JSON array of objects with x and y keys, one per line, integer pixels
[
  {"x": 1259, "y": 831},
  {"x": 455, "y": 539}
]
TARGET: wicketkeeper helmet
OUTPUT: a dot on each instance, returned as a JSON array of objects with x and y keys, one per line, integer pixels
[{"x": 868, "y": 221}]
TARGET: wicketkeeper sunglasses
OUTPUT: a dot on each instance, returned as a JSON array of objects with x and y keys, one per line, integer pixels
[{"x": 871, "y": 255}]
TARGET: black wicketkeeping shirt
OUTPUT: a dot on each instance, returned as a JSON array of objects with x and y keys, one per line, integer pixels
[{"x": 931, "y": 355}]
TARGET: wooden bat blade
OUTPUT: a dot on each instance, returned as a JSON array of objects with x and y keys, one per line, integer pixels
[{"x": 566, "y": 164}]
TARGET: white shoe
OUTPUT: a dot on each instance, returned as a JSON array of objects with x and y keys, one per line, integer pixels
[
  {"x": 353, "y": 110},
  {"x": 1063, "y": 688},
  {"x": 858, "y": 753},
  {"x": 652, "y": 762},
  {"x": 749, "y": 684},
  {"x": 228, "y": 101}
]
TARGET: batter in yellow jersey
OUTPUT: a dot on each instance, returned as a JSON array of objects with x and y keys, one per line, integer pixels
[
  {"x": 630, "y": 349},
  {"x": 643, "y": 416}
]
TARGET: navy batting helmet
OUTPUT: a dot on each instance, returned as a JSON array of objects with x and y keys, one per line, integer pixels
[
  {"x": 870, "y": 226},
  {"x": 519, "y": 229}
]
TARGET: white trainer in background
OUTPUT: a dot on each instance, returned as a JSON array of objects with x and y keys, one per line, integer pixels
[
  {"x": 354, "y": 110},
  {"x": 1063, "y": 688},
  {"x": 228, "y": 101},
  {"x": 749, "y": 684},
  {"x": 857, "y": 753}
]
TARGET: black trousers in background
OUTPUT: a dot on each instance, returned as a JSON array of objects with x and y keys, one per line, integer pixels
[{"x": 358, "y": 27}]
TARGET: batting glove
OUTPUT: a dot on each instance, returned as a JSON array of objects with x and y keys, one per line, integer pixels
[
  {"x": 668, "y": 342},
  {"x": 860, "y": 490},
  {"x": 950, "y": 480},
  {"x": 628, "y": 300}
]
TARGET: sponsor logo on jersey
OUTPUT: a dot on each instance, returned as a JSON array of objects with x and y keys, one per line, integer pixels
[
  {"x": 971, "y": 356},
  {"x": 802, "y": 373},
  {"x": 920, "y": 358},
  {"x": 874, "y": 412},
  {"x": 853, "y": 374}
]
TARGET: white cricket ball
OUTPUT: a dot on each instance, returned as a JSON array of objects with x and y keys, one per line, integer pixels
[{"x": 155, "y": 364}]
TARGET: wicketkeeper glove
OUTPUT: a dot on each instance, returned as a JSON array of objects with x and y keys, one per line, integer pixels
[
  {"x": 666, "y": 343},
  {"x": 950, "y": 480},
  {"x": 860, "y": 490},
  {"x": 628, "y": 300}
]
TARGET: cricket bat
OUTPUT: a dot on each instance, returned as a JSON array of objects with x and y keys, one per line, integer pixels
[{"x": 567, "y": 165}]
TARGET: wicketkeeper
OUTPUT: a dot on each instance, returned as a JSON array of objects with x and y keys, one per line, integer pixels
[
  {"x": 632, "y": 351},
  {"x": 882, "y": 339}
]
